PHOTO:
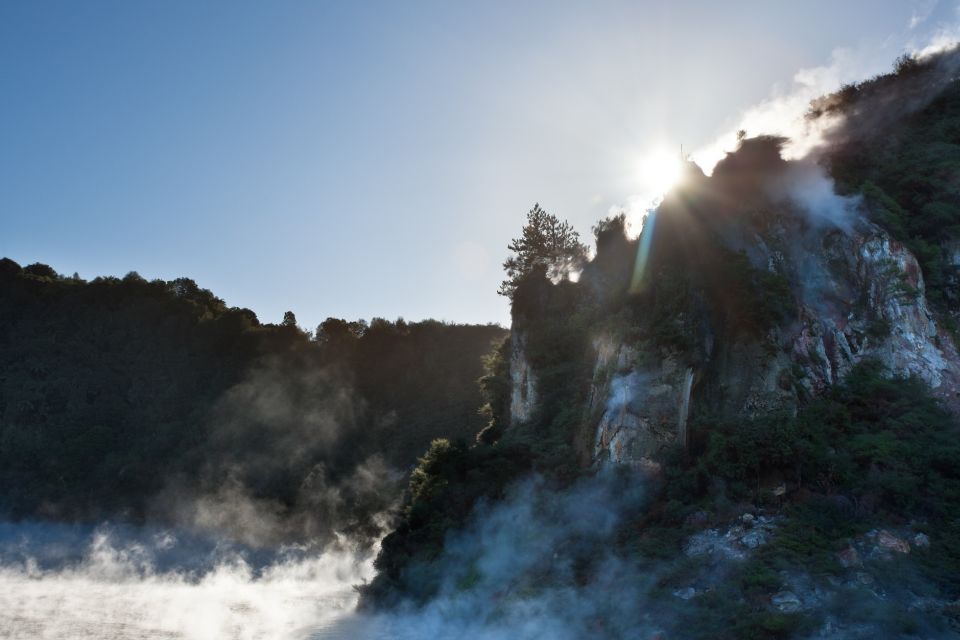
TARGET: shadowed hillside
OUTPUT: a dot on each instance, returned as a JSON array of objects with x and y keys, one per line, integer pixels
[{"x": 135, "y": 398}]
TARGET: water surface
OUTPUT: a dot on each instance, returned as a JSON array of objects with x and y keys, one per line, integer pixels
[{"x": 119, "y": 583}]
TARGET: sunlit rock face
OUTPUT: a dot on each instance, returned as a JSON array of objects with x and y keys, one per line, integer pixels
[
  {"x": 871, "y": 303},
  {"x": 523, "y": 385},
  {"x": 785, "y": 287},
  {"x": 855, "y": 293},
  {"x": 641, "y": 405},
  {"x": 859, "y": 294}
]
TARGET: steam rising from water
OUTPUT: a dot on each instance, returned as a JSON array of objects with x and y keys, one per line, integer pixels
[
  {"x": 280, "y": 463},
  {"x": 542, "y": 564},
  {"x": 121, "y": 583},
  {"x": 514, "y": 572}
]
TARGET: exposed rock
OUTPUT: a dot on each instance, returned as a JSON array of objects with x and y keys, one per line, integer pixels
[
  {"x": 712, "y": 542},
  {"x": 849, "y": 557},
  {"x": 852, "y": 292},
  {"x": 523, "y": 388},
  {"x": 754, "y": 539},
  {"x": 854, "y": 280},
  {"x": 860, "y": 294},
  {"x": 685, "y": 593},
  {"x": 734, "y": 543},
  {"x": 921, "y": 540},
  {"x": 786, "y": 601},
  {"x": 890, "y": 542},
  {"x": 642, "y": 409}
]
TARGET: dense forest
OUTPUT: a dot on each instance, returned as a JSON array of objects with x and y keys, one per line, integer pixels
[{"x": 133, "y": 398}]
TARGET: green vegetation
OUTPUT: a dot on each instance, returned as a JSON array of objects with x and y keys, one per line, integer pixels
[
  {"x": 444, "y": 488},
  {"x": 546, "y": 243},
  {"x": 905, "y": 165},
  {"x": 114, "y": 390},
  {"x": 876, "y": 451},
  {"x": 882, "y": 443}
]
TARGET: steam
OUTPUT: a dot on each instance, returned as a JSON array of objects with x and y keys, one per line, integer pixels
[
  {"x": 550, "y": 564},
  {"x": 544, "y": 563},
  {"x": 921, "y": 11},
  {"x": 541, "y": 564},
  {"x": 944, "y": 39},
  {"x": 358, "y": 505},
  {"x": 279, "y": 468},
  {"x": 564, "y": 268},
  {"x": 124, "y": 583},
  {"x": 784, "y": 112},
  {"x": 806, "y": 185}
]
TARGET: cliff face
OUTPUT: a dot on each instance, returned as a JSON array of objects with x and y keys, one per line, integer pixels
[
  {"x": 523, "y": 384},
  {"x": 860, "y": 295},
  {"x": 850, "y": 292}
]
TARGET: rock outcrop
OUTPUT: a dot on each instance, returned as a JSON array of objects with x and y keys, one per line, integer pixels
[
  {"x": 855, "y": 292},
  {"x": 523, "y": 382}
]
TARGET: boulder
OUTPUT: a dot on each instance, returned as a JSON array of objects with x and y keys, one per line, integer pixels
[{"x": 889, "y": 542}]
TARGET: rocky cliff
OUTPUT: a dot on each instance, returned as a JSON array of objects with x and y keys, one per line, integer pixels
[{"x": 849, "y": 292}]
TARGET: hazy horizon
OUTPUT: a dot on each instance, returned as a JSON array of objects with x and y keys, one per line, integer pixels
[{"x": 375, "y": 160}]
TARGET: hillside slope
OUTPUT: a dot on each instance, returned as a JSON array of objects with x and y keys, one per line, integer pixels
[{"x": 136, "y": 399}]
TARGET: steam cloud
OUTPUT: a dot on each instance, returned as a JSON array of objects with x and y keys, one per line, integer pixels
[
  {"x": 278, "y": 467},
  {"x": 548, "y": 564},
  {"x": 61, "y": 582},
  {"x": 783, "y": 113},
  {"x": 806, "y": 185},
  {"x": 540, "y": 564}
]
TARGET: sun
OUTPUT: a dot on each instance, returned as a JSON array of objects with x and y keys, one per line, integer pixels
[{"x": 660, "y": 170}]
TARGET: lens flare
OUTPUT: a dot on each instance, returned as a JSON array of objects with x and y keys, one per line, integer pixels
[{"x": 643, "y": 253}]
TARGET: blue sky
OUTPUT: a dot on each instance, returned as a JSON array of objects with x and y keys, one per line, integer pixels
[{"x": 374, "y": 159}]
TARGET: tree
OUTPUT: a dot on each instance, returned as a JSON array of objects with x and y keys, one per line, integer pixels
[
  {"x": 337, "y": 331},
  {"x": 905, "y": 64},
  {"x": 40, "y": 270},
  {"x": 545, "y": 242},
  {"x": 289, "y": 320}
]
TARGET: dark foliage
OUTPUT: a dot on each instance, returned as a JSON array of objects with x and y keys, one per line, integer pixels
[
  {"x": 899, "y": 145},
  {"x": 113, "y": 390},
  {"x": 876, "y": 451}
]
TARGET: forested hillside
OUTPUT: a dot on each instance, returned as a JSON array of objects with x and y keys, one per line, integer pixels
[
  {"x": 128, "y": 397},
  {"x": 909, "y": 174}
]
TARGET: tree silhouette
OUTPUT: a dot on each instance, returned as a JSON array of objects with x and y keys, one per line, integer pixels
[{"x": 545, "y": 242}]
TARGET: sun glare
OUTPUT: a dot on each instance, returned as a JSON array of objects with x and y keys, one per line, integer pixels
[{"x": 660, "y": 170}]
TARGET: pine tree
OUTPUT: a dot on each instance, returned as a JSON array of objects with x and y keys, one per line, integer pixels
[{"x": 545, "y": 242}]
